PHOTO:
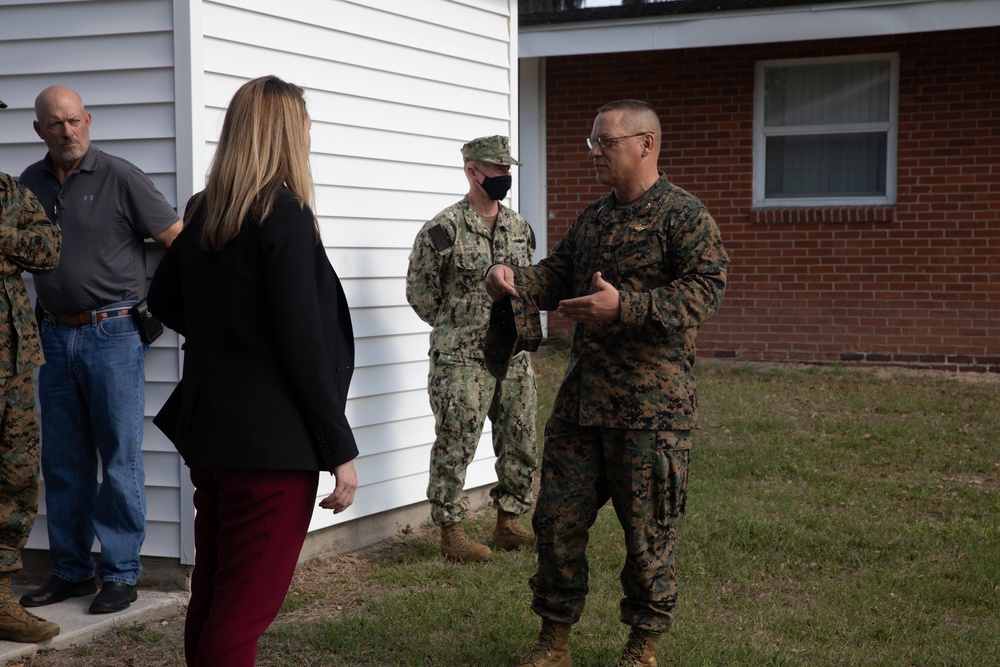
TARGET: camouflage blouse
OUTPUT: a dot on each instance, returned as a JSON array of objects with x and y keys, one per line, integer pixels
[
  {"x": 28, "y": 242},
  {"x": 664, "y": 255},
  {"x": 450, "y": 257}
]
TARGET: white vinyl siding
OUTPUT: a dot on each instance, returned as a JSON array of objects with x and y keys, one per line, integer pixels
[
  {"x": 119, "y": 56},
  {"x": 825, "y": 131},
  {"x": 394, "y": 89}
]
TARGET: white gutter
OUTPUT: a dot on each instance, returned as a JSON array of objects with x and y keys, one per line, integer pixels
[{"x": 776, "y": 24}]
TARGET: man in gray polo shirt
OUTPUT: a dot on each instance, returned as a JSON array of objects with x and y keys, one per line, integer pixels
[{"x": 91, "y": 391}]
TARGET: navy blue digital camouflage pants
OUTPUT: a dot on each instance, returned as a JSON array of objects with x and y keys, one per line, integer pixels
[{"x": 463, "y": 394}]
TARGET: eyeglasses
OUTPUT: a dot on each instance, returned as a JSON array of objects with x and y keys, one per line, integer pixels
[{"x": 608, "y": 142}]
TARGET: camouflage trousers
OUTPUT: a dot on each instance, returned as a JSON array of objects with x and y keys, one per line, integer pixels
[
  {"x": 462, "y": 394},
  {"x": 18, "y": 467},
  {"x": 645, "y": 475}
]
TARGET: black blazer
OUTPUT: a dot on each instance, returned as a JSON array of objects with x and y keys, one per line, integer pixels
[{"x": 269, "y": 349}]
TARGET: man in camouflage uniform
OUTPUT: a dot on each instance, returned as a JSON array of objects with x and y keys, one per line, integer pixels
[
  {"x": 638, "y": 272},
  {"x": 28, "y": 242},
  {"x": 450, "y": 256}
]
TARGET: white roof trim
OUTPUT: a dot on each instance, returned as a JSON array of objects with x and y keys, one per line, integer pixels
[{"x": 774, "y": 24}]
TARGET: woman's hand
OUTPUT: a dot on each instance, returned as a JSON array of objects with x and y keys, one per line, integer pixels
[{"x": 343, "y": 493}]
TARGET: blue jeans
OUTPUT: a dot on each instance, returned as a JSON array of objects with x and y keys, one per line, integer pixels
[{"x": 91, "y": 394}]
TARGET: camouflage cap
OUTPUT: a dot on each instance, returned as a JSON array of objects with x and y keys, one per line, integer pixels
[
  {"x": 515, "y": 325},
  {"x": 495, "y": 149}
]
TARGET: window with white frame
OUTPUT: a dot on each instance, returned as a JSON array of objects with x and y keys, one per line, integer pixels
[{"x": 825, "y": 131}]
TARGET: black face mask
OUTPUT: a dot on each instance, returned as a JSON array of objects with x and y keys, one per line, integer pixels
[{"x": 496, "y": 187}]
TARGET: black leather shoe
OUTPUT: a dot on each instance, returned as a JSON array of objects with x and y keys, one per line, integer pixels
[
  {"x": 58, "y": 590},
  {"x": 113, "y": 597}
]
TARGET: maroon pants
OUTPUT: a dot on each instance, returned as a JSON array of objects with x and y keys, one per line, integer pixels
[{"x": 248, "y": 532}]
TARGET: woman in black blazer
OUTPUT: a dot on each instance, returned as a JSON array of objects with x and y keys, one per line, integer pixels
[{"x": 268, "y": 358}]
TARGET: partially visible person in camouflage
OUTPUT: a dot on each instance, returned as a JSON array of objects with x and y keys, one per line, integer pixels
[
  {"x": 638, "y": 272},
  {"x": 28, "y": 242},
  {"x": 450, "y": 256}
]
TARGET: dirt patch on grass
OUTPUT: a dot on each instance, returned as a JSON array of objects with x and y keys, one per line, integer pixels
[{"x": 327, "y": 587}]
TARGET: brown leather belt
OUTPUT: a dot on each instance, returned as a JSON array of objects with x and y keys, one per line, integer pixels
[{"x": 89, "y": 317}]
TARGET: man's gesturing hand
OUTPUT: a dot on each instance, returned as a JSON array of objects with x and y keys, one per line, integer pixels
[{"x": 601, "y": 306}]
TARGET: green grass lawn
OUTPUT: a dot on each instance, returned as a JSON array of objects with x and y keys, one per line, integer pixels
[{"x": 835, "y": 517}]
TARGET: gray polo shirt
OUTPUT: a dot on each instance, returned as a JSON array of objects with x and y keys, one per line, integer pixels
[{"x": 105, "y": 210}]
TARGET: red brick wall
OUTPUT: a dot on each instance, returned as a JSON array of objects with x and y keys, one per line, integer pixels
[{"x": 916, "y": 284}]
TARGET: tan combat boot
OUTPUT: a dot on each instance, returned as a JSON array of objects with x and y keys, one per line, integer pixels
[
  {"x": 17, "y": 624},
  {"x": 552, "y": 649},
  {"x": 510, "y": 534},
  {"x": 457, "y": 547},
  {"x": 640, "y": 650}
]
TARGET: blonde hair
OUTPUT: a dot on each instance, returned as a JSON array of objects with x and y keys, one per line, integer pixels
[{"x": 262, "y": 149}]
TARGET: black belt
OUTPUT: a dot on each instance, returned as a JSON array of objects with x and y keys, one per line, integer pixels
[{"x": 89, "y": 317}]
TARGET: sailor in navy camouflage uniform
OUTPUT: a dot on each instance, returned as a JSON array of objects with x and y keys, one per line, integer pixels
[{"x": 450, "y": 256}]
